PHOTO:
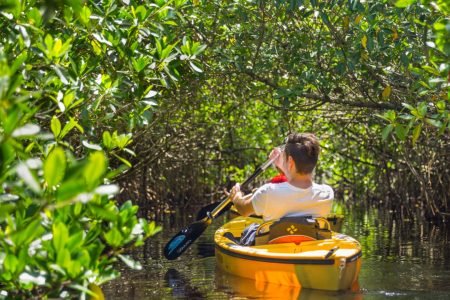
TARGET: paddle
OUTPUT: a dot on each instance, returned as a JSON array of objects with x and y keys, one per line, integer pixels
[
  {"x": 182, "y": 240},
  {"x": 210, "y": 207}
]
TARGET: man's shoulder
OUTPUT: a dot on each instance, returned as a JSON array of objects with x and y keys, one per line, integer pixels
[
  {"x": 271, "y": 187},
  {"x": 324, "y": 190}
]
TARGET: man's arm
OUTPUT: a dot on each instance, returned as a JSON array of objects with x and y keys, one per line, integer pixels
[{"x": 242, "y": 203}]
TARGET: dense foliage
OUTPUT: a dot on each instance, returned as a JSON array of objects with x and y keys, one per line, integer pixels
[
  {"x": 370, "y": 78},
  {"x": 75, "y": 80},
  {"x": 176, "y": 99}
]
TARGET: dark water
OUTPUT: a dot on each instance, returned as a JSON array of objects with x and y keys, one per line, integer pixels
[{"x": 401, "y": 260}]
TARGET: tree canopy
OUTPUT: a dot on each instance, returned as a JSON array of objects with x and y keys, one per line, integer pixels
[{"x": 167, "y": 102}]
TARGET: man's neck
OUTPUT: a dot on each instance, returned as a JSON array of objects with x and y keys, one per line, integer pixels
[{"x": 302, "y": 181}]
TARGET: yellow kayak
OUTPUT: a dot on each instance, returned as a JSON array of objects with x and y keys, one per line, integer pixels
[{"x": 331, "y": 263}]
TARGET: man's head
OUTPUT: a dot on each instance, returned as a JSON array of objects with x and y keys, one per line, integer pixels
[{"x": 304, "y": 149}]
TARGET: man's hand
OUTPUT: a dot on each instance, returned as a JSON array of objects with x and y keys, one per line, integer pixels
[
  {"x": 278, "y": 162},
  {"x": 242, "y": 203}
]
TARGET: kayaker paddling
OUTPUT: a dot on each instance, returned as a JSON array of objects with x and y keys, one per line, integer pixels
[{"x": 299, "y": 196}]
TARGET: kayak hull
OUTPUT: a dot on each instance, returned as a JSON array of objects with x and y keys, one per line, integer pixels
[{"x": 305, "y": 265}]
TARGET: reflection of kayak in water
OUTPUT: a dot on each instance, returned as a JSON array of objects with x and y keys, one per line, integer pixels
[
  {"x": 243, "y": 287},
  {"x": 302, "y": 257}
]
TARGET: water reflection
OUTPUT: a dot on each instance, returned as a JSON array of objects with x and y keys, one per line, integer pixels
[
  {"x": 401, "y": 260},
  {"x": 180, "y": 286},
  {"x": 243, "y": 287}
]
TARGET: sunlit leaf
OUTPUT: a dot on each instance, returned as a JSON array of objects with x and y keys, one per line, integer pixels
[
  {"x": 27, "y": 176},
  {"x": 416, "y": 133},
  {"x": 364, "y": 41},
  {"x": 95, "y": 168},
  {"x": 401, "y": 132},
  {"x": 97, "y": 291},
  {"x": 55, "y": 166},
  {"x": 60, "y": 236},
  {"x": 85, "y": 15},
  {"x": 91, "y": 146},
  {"x": 55, "y": 126},
  {"x": 26, "y": 130},
  {"x": 133, "y": 264},
  {"x": 386, "y": 92},
  {"x": 195, "y": 68},
  {"x": 109, "y": 189},
  {"x": 404, "y": 3},
  {"x": 386, "y": 131},
  {"x": 113, "y": 237}
]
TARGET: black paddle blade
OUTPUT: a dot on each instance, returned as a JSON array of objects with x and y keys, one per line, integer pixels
[
  {"x": 203, "y": 213},
  {"x": 180, "y": 242}
]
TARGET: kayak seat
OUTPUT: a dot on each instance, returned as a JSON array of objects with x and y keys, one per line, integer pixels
[
  {"x": 297, "y": 230},
  {"x": 292, "y": 238}
]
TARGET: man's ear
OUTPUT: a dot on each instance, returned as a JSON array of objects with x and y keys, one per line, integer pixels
[{"x": 291, "y": 162}]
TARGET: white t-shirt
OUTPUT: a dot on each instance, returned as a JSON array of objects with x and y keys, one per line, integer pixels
[{"x": 276, "y": 200}]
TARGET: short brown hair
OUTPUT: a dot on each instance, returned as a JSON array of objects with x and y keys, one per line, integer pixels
[{"x": 304, "y": 149}]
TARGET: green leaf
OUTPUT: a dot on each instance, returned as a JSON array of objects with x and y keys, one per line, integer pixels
[
  {"x": 10, "y": 263},
  {"x": 34, "y": 279},
  {"x": 434, "y": 122},
  {"x": 34, "y": 17},
  {"x": 60, "y": 236},
  {"x": 28, "y": 177},
  {"x": 12, "y": 119},
  {"x": 113, "y": 237},
  {"x": 70, "y": 189},
  {"x": 68, "y": 98},
  {"x": 386, "y": 131},
  {"x": 18, "y": 62},
  {"x": 195, "y": 68},
  {"x": 91, "y": 146},
  {"x": 404, "y": 3},
  {"x": 135, "y": 265},
  {"x": 401, "y": 132},
  {"x": 97, "y": 291},
  {"x": 126, "y": 162},
  {"x": 441, "y": 105},
  {"x": 386, "y": 92},
  {"x": 83, "y": 289},
  {"x": 55, "y": 126},
  {"x": 151, "y": 229},
  {"x": 55, "y": 166},
  {"x": 416, "y": 133},
  {"x": 69, "y": 126},
  {"x": 75, "y": 241},
  {"x": 26, "y": 234},
  {"x": 101, "y": 212},
  {"x": 95, "y": 169},
  {"x": 64, "y": 259},
  {"x": 26, "y": 131},
  {"x": 85, "y": 15},
  {"x": 422, "y": 109},
  {"x": 408, "y": 106},
  {"x": 48, "y": 41},
  {"x": 107, "y": 140}
]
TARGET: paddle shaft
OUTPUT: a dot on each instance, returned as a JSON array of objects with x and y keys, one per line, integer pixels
[{"x": 244, "y": 185}]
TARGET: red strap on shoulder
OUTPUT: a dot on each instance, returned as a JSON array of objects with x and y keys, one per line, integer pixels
[{"x": 278, "y": 179}]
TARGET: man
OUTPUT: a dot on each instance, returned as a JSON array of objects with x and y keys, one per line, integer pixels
[{"x": 299, "y": 196}]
